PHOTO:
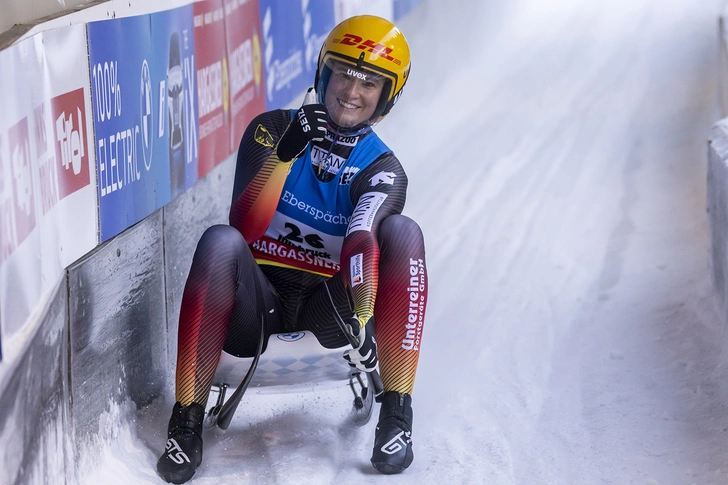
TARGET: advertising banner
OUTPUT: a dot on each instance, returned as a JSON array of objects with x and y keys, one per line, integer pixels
[
  {"x": 247, "y": 80},
  {"x": 175, "y": 73},
  {"x": 145, "y": 113},
  {"x": 212, "y": 84},
  {"x": 293, "y": 33},
  {"x": 48, "y": 201},
  {"x": 131, "y": 183}
]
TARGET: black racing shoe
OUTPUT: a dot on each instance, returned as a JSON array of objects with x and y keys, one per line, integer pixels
[
  {"x": 393, "y": 437},
  {"x": 183, "y": 451}
]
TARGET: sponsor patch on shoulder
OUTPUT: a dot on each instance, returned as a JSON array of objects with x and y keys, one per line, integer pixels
[
  {"x": 383, "y": 178},
  {"x": 263, "y": 136}
]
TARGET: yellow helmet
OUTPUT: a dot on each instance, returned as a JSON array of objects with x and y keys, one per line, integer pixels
[{"x": 369, "y": 43}]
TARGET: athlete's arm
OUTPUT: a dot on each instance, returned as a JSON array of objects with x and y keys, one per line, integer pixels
[
  {"x": 376, "y": 192},
  {"x": 259, "y": 175}
]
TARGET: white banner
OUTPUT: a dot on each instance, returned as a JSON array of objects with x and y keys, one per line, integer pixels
[{"x": 48, "y": 201}]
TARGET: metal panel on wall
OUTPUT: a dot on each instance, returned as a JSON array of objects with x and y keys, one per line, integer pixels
[
  {"x": 717, "y": 204},
  {"x": 293, "y": 33},
  {"x": 117, "y": 331}
]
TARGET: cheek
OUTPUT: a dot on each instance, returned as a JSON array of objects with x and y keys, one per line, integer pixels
[
  {"x": 329, "y": 98},
  {"x": 375, "y": 95},
  {"x": 332, "y": 91},
  {"x": 373, "y": 100}
]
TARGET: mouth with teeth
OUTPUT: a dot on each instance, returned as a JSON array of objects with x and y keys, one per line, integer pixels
[{"x": 346, "y": 105}]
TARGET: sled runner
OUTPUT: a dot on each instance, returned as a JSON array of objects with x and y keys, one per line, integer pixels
[{"x": 290, "y": 359}]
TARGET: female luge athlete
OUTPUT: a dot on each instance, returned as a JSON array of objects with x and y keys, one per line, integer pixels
[{"x": 316, "y": 234}]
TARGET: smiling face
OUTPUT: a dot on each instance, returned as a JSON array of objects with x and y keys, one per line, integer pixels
[{"x": 352, "y": 95}]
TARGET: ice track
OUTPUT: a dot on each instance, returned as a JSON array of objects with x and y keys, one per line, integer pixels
[{"x": 556, "y": 153}]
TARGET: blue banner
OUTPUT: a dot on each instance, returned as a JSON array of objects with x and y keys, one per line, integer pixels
[
  {"x": 128, "y": 183},
  {"x": 145, "y": 114},
  {"x": 293, "y": 33},
  {"x": 175, "y": 73}
]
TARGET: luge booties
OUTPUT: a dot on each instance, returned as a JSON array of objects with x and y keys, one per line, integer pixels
[
  {"x": 393, "y": 437},
  {"x": 183, "y": 451}
]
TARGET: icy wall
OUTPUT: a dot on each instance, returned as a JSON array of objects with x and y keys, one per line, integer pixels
[{"x": 718, "y": 175}]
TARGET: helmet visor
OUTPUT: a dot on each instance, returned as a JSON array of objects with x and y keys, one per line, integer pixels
[{"x": 355, "y": 94}]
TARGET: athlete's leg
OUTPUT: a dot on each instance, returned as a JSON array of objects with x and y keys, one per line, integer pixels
[
  {"x": 224, "y": 285},
  {"x": 399, "y": 314},
  {"x": 223, "y": 301},
  {"x": 399, "y": 310}
]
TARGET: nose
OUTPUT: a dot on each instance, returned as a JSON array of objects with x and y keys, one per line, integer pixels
[{"x": 351, "y": 88}]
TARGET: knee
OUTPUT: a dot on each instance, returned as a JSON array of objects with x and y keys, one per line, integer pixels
[
  {"x": 400, "y": 228},
  {"x": 221, "y": 239}
]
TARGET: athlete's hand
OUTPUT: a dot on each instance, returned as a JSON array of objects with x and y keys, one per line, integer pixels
[
  {"x": 308, "y": 124},
  {"x": 364, "y": 356}
]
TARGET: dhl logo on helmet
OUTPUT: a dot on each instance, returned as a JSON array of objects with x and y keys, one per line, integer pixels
[{"x": 369, "y": 46}]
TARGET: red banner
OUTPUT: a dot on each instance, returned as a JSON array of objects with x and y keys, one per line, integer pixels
[
  {"x": 247, "y": 83},
  {"x": 212, "y": 84},
  {"x": 71, "y": 164}
]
